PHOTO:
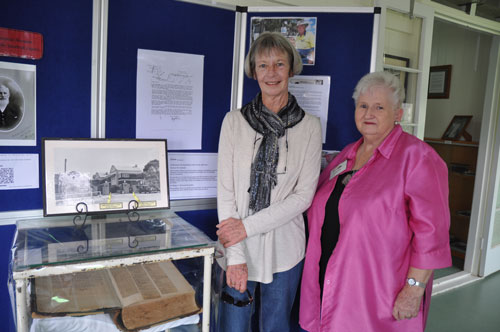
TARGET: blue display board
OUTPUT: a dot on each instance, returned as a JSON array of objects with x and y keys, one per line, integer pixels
[
  {"x": 63, "y": 77},
  {"x": 343, "y": 51},
  {"x": 205, "y": 220},
  {"x": 174, "y": 27}
]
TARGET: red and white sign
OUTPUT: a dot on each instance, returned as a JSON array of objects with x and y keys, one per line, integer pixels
[{"x": 21, "y": 44}]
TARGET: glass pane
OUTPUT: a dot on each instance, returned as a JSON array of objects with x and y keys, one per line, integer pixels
[
  {"x": 402, "y": 39},
  {"x": 58, "y": 240},
  {"x": 496, "y": 230},
  {"x": 402, "y": 49},
  {"x": 498, "y": 202},
  {"x": 409, "y": 82},
  {"x": 175, "y": 286},
  {"x": 496, "y": 226}
]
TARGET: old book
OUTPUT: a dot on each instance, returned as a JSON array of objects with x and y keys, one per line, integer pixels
[{"x": 143, "y": 295}]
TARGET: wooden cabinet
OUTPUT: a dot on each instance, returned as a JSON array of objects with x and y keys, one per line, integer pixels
[{"x": 461, "y": 159}]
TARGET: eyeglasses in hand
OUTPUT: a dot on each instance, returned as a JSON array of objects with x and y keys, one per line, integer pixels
[{"x": 226, "y": 298}]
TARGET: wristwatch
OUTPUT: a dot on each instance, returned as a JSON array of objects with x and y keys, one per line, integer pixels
[{"x": 412, "y": 282}]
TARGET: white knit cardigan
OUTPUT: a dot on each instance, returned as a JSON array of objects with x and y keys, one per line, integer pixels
[{"x": 276, "y": 237}]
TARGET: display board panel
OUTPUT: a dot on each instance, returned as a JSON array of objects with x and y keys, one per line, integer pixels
[
  {"x": 171, "y": 26},
  {"x": 342, "y": 51},
  {"x": 64, "y": 72},
  {"x": 63, "y": 78}
]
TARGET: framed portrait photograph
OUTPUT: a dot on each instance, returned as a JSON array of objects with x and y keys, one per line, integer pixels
[
  {"x": 106, "y": 175},
  {"x": 439, "y": 82},
  {"x": 456, "y": 128},
  {"x": 17, "y": 104}
]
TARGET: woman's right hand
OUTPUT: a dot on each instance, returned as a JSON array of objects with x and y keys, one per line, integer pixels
[{"x": 237, "y": 276}]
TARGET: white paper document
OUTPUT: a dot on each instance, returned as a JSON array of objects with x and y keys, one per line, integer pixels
[
  {"x": 313, "y": 95},
  {"x": 18, "y": 171},
  {"x": 437, "y": 81},
  {"x": 26, "y": 257},
  {"x": 169, "y": 98},
  {"x": 192, "y": 175}
]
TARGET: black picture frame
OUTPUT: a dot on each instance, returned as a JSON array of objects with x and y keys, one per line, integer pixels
[
  {"x": 97, "y": 176},
  {"x": 456, "y": 128},
  {"x": 439, "y": 82}
]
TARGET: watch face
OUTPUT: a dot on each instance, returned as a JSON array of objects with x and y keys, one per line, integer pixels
[{"x": 411, "y": 281}]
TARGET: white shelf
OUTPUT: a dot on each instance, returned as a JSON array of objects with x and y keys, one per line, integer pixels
[{"x": 405, "y": 69}]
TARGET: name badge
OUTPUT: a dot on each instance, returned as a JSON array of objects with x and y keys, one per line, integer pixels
[{"x": 339, "y": 169}]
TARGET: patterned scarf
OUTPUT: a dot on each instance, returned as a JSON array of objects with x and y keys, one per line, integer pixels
[{"x": 271, "y": 126}]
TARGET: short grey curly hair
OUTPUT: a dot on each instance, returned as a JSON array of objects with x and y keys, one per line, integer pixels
[
  {"x": 384, "y": 79},
  {"x": 268, "y": 41}
]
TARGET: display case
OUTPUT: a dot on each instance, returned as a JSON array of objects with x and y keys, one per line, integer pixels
[
  {"x": 132, "y": 269},
  {"x": 460, "y": 157}
]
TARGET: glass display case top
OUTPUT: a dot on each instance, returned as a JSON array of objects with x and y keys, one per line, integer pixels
[{"x": 60, "y": 240}]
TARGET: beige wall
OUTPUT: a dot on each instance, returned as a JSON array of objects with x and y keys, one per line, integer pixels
[{"x": 468, "y": 53}]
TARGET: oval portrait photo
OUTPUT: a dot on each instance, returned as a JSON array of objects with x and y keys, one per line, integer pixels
[{"x": 11, "y": 104}]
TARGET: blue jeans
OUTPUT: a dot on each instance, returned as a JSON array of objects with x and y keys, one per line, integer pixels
[{"x": 276, "y": 301}]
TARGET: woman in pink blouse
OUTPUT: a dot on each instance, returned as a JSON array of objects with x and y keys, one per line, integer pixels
[{"x": 378, "y": 224}]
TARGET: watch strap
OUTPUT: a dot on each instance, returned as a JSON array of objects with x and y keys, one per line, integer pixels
[{"x": 412, "y": 282}]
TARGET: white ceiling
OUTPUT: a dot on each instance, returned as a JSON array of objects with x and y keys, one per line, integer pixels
[{"x": 489, "y": 9}]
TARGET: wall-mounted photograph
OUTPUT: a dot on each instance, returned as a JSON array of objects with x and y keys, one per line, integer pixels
[
  {"x": 104, "y": 175},
  {"x": 439, "y": 82},
  {"x": 300, "y": 31},
  {"x": 17, "y": 104}
]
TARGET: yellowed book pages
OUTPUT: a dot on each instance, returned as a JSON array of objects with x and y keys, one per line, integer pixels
[
  {"x": 147, "y": 294},
  {"x": 82, "y": 292},
  {"x": 165, "y": 295}
]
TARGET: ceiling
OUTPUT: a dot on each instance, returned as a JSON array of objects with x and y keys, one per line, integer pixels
[{"x": 489, "y": 9}]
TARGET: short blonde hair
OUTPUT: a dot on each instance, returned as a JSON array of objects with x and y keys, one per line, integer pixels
[
  {"x": 383, "y": 79},
  {"x": 267, "y": 42}
]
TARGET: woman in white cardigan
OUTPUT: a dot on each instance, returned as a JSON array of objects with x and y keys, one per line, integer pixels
[{"x": 268, "y": 167}]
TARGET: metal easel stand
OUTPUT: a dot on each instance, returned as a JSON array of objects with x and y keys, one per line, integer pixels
[
  {"x": 133, "y": 216},
  {"x": 81, "y": 209}
]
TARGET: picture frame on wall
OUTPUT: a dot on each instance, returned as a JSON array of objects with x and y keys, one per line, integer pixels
[
  {"x": 398, "y": 61},
  {"x": 104, "y": 175},
  {"x": 457, "y": 128},
  {"x": 439, "y": 82},
  {"x": 18, "y": 104}
]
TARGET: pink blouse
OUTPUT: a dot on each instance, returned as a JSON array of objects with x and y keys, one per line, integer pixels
[{"x": 393, "y": 214}]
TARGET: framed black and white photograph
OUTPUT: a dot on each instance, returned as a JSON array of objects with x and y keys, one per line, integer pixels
[
  {"x": 456, "y": 128},
  {"x": 105, "y": 175},
  {"x": 17, "y": 104}
]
